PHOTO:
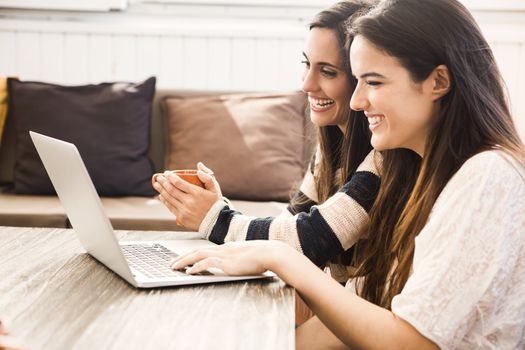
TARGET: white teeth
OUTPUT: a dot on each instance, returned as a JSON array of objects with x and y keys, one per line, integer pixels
[
  {"x": 320, "y": 102},
  {"x": 375, "y": 120}
]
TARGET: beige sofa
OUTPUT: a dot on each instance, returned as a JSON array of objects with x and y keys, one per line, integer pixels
[{"x": 129, "y": 213}]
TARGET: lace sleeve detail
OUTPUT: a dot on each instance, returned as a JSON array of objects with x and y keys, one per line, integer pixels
[{"x": 468, "y": 280}]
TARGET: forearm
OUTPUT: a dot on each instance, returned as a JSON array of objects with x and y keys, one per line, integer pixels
[
  {"x": 321, "y": 234},
  {"x": 358, "y": 323}
]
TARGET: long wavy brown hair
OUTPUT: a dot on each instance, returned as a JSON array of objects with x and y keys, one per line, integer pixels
[
  {"x": 338, "y": 150},
  {"x": 474, "y": 116}
]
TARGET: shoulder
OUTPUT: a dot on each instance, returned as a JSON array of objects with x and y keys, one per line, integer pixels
[
  {"x": 372, "y": 163},
  {"x": 488, "y": 184},
  {"x": 492, "y": 158},
  {"x": 488, "y": 168}
]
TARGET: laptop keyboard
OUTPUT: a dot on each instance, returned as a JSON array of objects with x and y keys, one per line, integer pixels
[{"x": 152, "y": 260}]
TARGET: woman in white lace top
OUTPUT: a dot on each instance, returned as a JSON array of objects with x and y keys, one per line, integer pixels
[{"x": 448, "y": 270}]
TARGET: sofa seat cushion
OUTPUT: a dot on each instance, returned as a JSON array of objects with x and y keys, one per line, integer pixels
[
  {"x": 125, "y": 213},
  {"x": 31, "y": 211},
  {"x": 149, "y": 214},
  {"x": 139, "y": 213},
  {"x": 259, "y": 209}
]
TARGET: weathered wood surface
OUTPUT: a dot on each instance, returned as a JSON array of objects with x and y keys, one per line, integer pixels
[{"x": 55, "y": 296}]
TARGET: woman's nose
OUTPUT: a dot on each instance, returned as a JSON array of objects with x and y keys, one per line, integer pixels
[
  {"x": 310, "y": 81},
  {"x": 358, "y": 102}
]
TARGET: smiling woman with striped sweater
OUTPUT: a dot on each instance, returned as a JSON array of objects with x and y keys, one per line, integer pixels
[{"x": 324, "y": 216}]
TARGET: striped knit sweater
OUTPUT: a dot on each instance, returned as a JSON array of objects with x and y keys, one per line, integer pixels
[{"x": 321, "y": 232}]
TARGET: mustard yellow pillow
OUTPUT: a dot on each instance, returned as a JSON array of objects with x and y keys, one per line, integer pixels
[{"x": 3, "y": 104}]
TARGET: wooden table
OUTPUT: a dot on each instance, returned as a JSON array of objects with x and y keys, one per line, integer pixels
[{"x": 55, "y": 296}]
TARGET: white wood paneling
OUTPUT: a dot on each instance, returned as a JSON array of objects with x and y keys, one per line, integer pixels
[
  {"x": 219, "y": 63},
  {"x": 91, "y": 5},
  {"x": 519, "y": 94},
  {"x": 195, "y": 58},
  {"x": 8, "y": 53},
  {"x": 171, "y": 62},
  {"x": 76, "y": 58},
  {"x": 266, "y": 61},
  {"x": 100, "y": 55},
  {"x": 123, "y": 63},
  {"x": 510, "y": 58},
  {"x": 27, "y": 55},
  {"x": 148, "y": 56},
  {"x": 289, "y": 65},
  {"x": 52, "y": 57},
  {"x": 243, "y": 69}
]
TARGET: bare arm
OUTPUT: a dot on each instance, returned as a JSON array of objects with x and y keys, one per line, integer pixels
[{"x": 356, "y": 322}]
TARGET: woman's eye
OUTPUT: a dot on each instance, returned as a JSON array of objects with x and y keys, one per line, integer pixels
[
  {"x": 305, "y": 63},
  {"x": 328, "y": 73},
  {"x": 373, "y": 83}
]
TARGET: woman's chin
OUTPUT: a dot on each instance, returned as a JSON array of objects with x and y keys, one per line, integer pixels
[
  {"x": 379, "y": 145},
  {"x": 321, "y": 120}
]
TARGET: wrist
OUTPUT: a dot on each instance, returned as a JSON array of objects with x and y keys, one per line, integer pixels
[
  {"x": 210, "y": 219},
  {"x": 284, "y": 261}
]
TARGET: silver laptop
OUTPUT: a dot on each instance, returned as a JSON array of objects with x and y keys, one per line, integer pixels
[{"x": 144, "y": 264}]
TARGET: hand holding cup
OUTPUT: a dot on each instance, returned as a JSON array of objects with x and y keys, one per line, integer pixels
[{"x": 188, "y": 175}]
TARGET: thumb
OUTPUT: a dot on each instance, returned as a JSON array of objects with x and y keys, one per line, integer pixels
[
  {"x": 204, "y": 168},
  {"x": 207, "y": 180}
]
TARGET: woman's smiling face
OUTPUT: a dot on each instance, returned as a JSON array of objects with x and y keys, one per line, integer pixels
[
  {"x": 399, "y": 110},
  {"x": 325, "y": 80}
]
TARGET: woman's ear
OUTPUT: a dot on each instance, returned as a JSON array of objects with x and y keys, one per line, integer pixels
[{"x": 442, "y": 81}]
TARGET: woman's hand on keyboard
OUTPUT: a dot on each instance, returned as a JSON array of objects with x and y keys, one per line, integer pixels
[{"x": 235, "y": 258}]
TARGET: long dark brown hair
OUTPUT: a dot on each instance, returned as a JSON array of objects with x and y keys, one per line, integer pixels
[
  {"x": 474, "y": 116},
  {"x": 337, "y": 150}
]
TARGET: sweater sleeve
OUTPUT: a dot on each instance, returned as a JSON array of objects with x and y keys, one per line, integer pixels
[
  {"x": 323, "y": 232},
  {"x": 306, "y": 196}
]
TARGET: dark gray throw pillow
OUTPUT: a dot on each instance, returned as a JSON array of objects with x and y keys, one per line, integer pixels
[{"x": 109, "y": 123}]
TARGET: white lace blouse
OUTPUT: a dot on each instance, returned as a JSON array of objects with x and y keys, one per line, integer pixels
[{"x": 467, "y": 288}]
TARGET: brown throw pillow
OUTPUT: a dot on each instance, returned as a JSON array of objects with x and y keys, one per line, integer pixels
[{"x": 255, "y": 143}]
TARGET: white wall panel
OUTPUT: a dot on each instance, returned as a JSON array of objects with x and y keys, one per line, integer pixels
[
  {"x": 148, "y": 56},
  {"x": 100, "y": 55},
  {"x": 195, "y": 68},
  {"x": 123, "y": 63},
  {"x": 267, "y": 62},
  {"x": 76, "y": 59},
  {"x": 290, "y": 68},
  {"x": 171, "y": 62},
  {"x": 8, "y": 64},
  {"x": 27, "y": 56},
  {"x": 52, "y": 57},
  {"x": 219, "y": 62},
  {"x": 519, "y": 100},
  {"x": 243, "y": 69},
  {"x": 509, "y": 57}
]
